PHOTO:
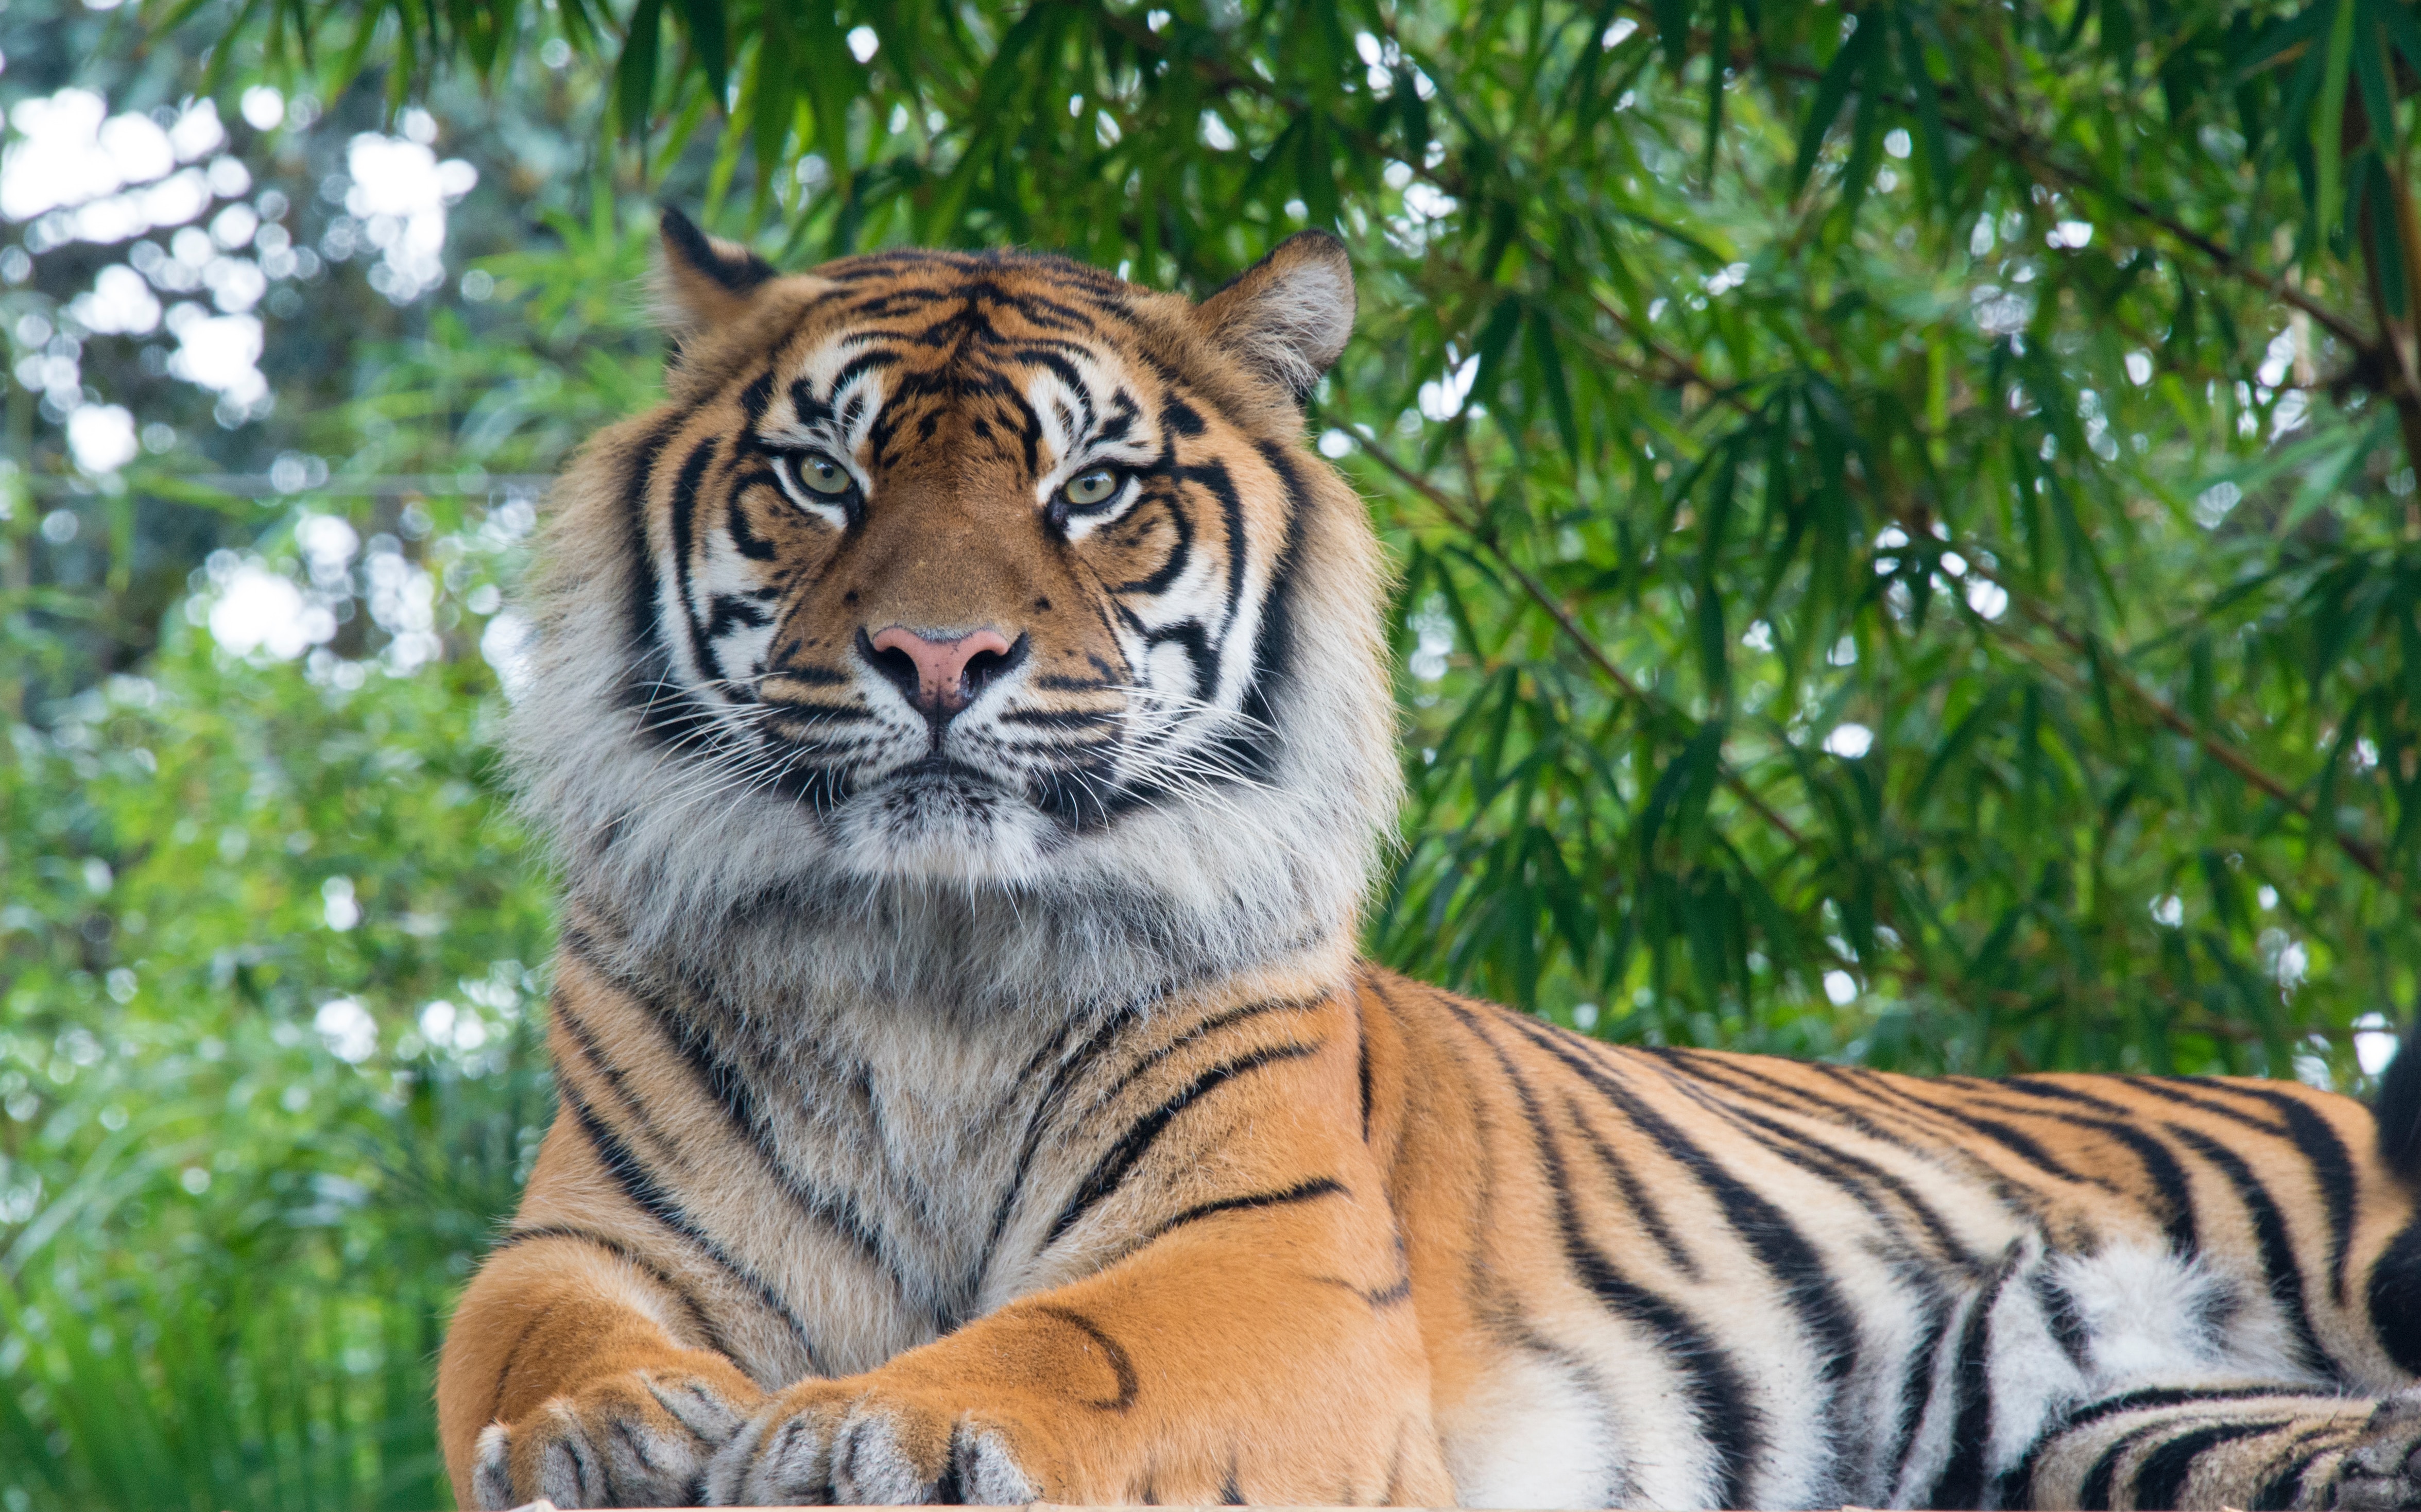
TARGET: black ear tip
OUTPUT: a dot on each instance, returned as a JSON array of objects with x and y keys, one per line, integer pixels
[
  {"x": 683, "y": 234},
  {"x": 734, "y": 268}
]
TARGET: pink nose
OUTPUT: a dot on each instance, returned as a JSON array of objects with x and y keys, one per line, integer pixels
[{"x": 940, "y": 676}]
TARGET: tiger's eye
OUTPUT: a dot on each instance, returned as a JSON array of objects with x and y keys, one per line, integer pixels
[
  {"x": 824, "y": 474},
  {"x": 1093, "y": 486}
]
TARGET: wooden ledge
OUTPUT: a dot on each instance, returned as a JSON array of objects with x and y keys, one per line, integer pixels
[
  {"x": 1066, "y": 1506},
  {"x": 1045, "y": 1507}
]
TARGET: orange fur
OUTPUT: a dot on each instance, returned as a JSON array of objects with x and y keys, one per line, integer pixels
[{"x": 1206, "y": 1209}]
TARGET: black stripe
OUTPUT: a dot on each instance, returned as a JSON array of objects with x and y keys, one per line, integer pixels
[
  {"x": 1847, "y": 1172},
  {"x": 635, "y": 484},
  {"x": 754, "y": 400},
  {"x": 2094, "y": 1494},
  {"x": 1152, "y": 1059},
  {"x": 1119, "y": 1160},
  {"x": 640, "y": 1186},
  {"x": 2333, "y": 1169},
  {"x": 2284, "y": 1273},
  {"x": 2160, "y": 1167},
  {"x": 2019, "y": 1483},
  {"x": 684, "y": 522},
  {"x": 1249, "y": 746},
  {"x": 2282, "y": 1489},
  {"x": 1916, "y": 1388},
  {"x": 1634, "y": 1196},
  {"x": 1362, "y": 1061},
  {"x": 633, "y": 1258},
  {"x": 1805, "y": 1282},
  {"x": 1113, "y": 1353},
  {"x": 1072, "y": 1065},
  {"x": 1730, "y": 1424},
  {"x": 2013, "y": 1139},
  {"x": 2161, "y": 1474},
  {"x": 1300, "y": 1191},
  {"x": 2027, "y": 1148},
  {"x": 1213, "y": 474},
  {"x": 2170, "y": 1090},
  {"x": 585, "y": 1039},
  {"x": 1727, "y": 1065},
  {"x": 726, "y": 1085},
  {"x": 2152, "y": 1397},
  {"x": 1960, "y": 1484},
  {"x": 2036, "y": 1087},
  {"x": 2068, "y": 1325}
]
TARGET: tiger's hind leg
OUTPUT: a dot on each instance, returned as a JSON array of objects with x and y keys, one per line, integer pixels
[
  {"x": 2261, "y": 1448},
  {"x": 2383, "y": 1469}
]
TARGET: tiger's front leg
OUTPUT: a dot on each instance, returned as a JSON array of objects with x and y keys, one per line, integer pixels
[
  {"x": 564, "y": 1378},
  {"x": 1250, "y": 1337},
  {"x": 1194, "y": 1379}
]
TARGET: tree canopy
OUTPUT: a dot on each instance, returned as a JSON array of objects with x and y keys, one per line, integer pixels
[{"x": 1906, "y": 518}]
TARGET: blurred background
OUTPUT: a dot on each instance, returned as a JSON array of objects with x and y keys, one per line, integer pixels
[{"x": 1905, "y": 512}]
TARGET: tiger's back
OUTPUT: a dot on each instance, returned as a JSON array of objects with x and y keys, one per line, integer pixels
[
  {"x": 962, "y": 719},
  {"x": 1840, "y": 1285}
]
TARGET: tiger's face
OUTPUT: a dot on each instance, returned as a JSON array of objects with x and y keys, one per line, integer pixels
[
  {"x": 963, "y": 576},
  {"x": 976, "y": 572}
]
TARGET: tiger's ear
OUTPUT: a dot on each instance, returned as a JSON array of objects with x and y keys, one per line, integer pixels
[
  {"x": 1287, "y": 317},
  {"x": 703, "y": 281}
]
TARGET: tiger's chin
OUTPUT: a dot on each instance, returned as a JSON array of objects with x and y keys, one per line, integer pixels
[{"x": 943, "y": 821}]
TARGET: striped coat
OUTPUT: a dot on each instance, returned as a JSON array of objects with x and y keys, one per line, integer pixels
[{"x": 961, "y": 714}]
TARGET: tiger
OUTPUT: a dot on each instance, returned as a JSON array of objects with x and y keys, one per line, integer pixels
[{"x": 963, "y": 715}]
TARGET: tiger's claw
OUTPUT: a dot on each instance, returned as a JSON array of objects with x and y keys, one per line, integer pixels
[
  {"x": 833, "y": 1444},
  {"x": 641, "y": 1439}
]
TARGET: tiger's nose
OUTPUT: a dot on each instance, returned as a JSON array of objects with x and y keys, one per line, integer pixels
[{"x": 939, "y": 677}]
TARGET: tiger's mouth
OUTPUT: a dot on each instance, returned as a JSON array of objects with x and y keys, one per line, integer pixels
[
  {"x": 940, "y": 792},
  {"x": 942, "y": 773},
  {"x": 1070, "y": 792}
]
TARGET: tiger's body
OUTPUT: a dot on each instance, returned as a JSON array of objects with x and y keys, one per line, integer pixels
[{"x": 964, "y": 717}]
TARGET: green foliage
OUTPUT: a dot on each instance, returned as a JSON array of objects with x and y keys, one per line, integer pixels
[
  {"x": 274, "y": 950},
  {"x": 224, "y": 1248},
  {"x": 1917, "y": 497},
  {"x": 1909, "y": 552}
]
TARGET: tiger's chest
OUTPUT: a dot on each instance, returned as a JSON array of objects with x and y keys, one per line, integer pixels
[{"x": 894, "y": 1151}]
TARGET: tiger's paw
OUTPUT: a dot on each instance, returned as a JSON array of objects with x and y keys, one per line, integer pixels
[
  {"x": 847, "y": 1444},
  {"x": 640, "y": 1438},
  {"x": 2382, "y": 1470}
]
